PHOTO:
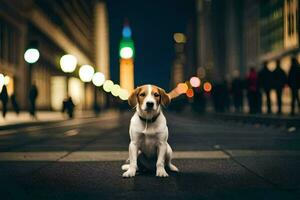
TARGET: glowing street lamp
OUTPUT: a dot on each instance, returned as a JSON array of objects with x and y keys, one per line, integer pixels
[
  {"x": 68, "y": 63},
  {"x": 124, "y": 94},
  {"x": 108, "y": 85},
  {"x": 115, "y": 90},
  {"x": 98, "y": 79},
  {"x": 86, "y": 73},
  {"x": 31, "y": 55},
  {"x": 195, "y": 81}
]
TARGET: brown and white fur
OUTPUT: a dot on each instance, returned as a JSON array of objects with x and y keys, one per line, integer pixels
[{"x": 149, "y": 132}]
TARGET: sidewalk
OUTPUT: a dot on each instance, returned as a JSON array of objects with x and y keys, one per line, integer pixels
[
  {"x": 13, "y": 120},
  {"x": 265, "y": 119}
]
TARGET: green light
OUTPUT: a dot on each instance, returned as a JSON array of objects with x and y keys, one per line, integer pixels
[{"x": 126, "y": 49}]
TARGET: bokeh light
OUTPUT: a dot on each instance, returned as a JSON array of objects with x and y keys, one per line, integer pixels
[
  {"x": 108, "y": 85},
  {"x": 124, "y": 94},
  {"x": 86, "y": 73},
  {"x": 207, "y": 87},
  {"x": 68, "y": 63},
  {"x": 31, "y": 55},
  {"x": 115, "y": 90},
  {"x": 6, "y": 80},
  {"x": 98, "y": 79},
  {"x": 179, "y": 38},
  {"x": 2, "y": 80},
  {"x": 190, "y": 93},
  {"x": 126, "y": 52},
  {"x": 195, "y": 81},
  {"x": 182, "y": 88},
  {"x": 126, "y": 32}
]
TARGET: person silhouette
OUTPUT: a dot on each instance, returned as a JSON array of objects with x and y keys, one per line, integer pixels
[
  {"x": 33, "y": 94},
  {"x": 237, "y": 87},
  {"x": 68, "y": 106},
  {"x": 280, "y": 79},
  {"x": 252, "y": 90},
  {"x": 15, "y": 104},
  {"x": 4, "y": 100},
  {"x": 265, "y": 83},
  {"x": 293, "y": 82}
]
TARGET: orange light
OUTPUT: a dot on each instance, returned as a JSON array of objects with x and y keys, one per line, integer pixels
[
  {"x": 195, "y": 81},
  {"x": 190, "y": 93},
  {"x": 207, "y": 87},
  {"x": 182, "y": 88}
]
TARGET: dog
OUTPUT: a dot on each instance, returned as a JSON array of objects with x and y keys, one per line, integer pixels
[{"x": 149, "y": 148}]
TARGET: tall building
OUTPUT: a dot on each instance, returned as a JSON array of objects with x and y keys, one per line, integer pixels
[
  {"x": 58, "y": 27},
  {"x": 127, "y": 59},
  {"x": 205, "y": 56},
  {"x": 101, "y": 39}
]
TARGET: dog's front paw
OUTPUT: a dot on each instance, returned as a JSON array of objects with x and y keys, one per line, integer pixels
[
  {"x": 161, "y": 172},
  {"x": 129, "y": 173}
]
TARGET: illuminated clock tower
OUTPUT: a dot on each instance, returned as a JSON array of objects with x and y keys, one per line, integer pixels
[{"x": 126, "y": 51}]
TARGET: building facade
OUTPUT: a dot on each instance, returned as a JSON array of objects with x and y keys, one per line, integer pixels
[{"x": 58, "y": 27}]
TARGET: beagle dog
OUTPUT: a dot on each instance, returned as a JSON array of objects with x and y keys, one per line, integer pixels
[{"x": 149, "y": 148}]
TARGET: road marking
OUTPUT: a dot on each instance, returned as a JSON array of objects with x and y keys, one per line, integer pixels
[
  {"x": 94, "y": 156},
  {"x": 79, "y": 156},
  {"x": 72, "y": 132},
  {"x": 31, "y": 156},
  {"x": 254, "y": 153}
]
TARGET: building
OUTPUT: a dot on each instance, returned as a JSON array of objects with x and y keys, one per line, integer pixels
[
  {"x": 236, "y": 35},
  {"x": 178, "y": 69},
  {"x": 58, "y": 27},
  {"x": 127, "y": 59},
  {"x": 219, "y": 36}
]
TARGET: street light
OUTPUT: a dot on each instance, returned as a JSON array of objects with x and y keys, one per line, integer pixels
[
  {"x": 123, "y": 94},
  {"x": 98, "y": 79},
  {"x": 108, "y": 85},
  {"x": 86, "y": 73},
  {"x": 115, "y": 90},
  {"x": 68, "y": 63},
  {"x": 31, "y": 55}
]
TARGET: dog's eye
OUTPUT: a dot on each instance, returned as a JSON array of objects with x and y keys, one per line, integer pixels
[
  {"x": 156, "y": 95},
  {"x": 142, "y": 94}
]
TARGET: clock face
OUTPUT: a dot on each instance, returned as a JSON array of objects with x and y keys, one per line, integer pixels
[{"x": 126, "y": 52}]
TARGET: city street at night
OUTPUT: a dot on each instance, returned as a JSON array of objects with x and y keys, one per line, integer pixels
[
  {"x": 82, "y": 158},
  {"x": 157, "y": 100}
]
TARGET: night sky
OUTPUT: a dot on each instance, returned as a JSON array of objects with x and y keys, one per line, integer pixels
[{"x": 153, "y": 24}]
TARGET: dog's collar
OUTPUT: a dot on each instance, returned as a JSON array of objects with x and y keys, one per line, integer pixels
[{"x": 153, "y": 119}]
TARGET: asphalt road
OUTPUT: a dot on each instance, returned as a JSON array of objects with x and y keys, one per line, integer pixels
[{"x": 81, "y": 159}]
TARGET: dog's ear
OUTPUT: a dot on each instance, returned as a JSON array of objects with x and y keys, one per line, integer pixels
[
  {"x": 164, "y": 97},
  {"x": 132, "y": 99}
]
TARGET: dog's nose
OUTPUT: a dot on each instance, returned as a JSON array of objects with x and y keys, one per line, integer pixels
[{"x": 149, "y": 104}]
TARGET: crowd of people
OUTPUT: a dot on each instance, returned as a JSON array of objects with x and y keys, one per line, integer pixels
[{"x": 255, "y": 85}]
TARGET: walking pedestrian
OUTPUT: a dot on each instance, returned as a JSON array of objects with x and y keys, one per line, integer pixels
[
  {"x": 33, "y": 94},
  {"x": 4, "y": 100},
  {"x": 280, "y": 79},
  {"x": 68, "y": 106},
  {"x": 15, "y": 104},
  {"x": 252, "y": 90},
  {"x": 265, "y": 83},
  {"x": 294, "y": 83}
]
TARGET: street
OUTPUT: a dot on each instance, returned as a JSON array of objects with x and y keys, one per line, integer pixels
[{"x": 82, "y": 158}]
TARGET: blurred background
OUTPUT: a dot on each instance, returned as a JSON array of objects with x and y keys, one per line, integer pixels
[{"x": 224, "y": 56}]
